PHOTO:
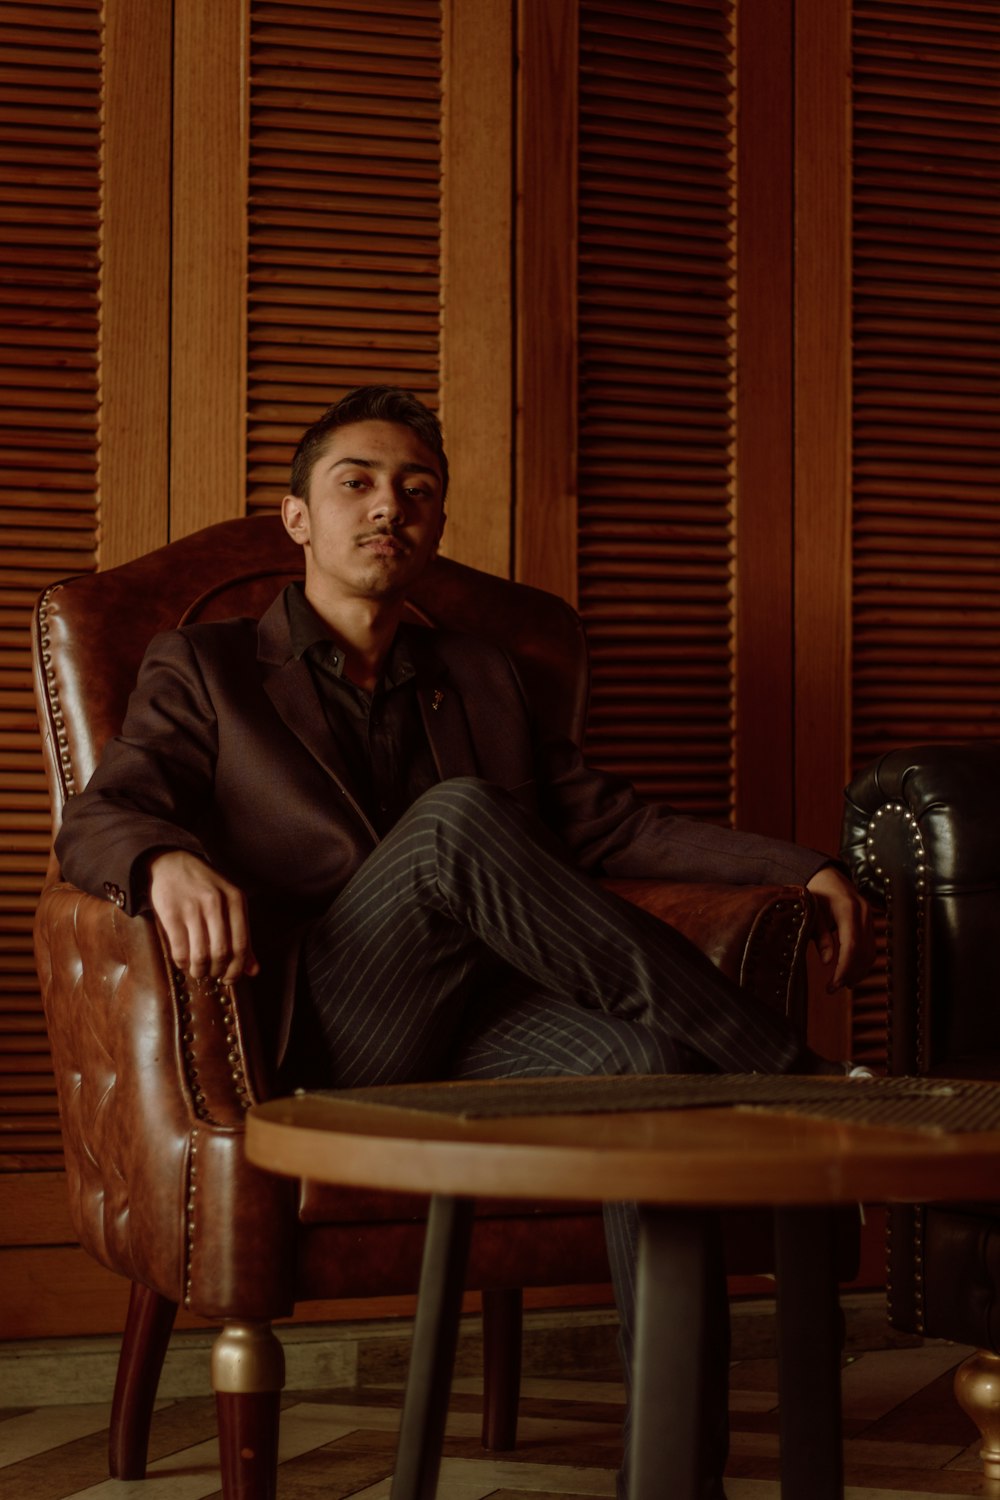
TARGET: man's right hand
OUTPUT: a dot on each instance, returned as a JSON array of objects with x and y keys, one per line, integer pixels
[{"x": 203, "y": 916}]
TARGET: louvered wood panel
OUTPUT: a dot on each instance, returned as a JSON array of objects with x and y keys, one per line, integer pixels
[
  {"x": 344, "y": 227},
  {"x": 50, "y": 95},
  {"x": 656, "y": 392},
  {"x": 926, "y": 372},
  {"x": 926, "y": 417}
]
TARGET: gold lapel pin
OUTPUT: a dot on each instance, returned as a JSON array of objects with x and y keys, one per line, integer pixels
[{"x": 437, "y": 698}]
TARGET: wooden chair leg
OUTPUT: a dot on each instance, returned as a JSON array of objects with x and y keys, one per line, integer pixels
[
  {"x": 148, "y": 1326},
  {"x": 977, "y": 1390},
  {"x": 248, "y": 1372},
  {"x": 248, "y": 1443},
  {"x": 502, "y": 1317}
]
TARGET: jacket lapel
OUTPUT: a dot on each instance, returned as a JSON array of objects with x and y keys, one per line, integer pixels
[
  {"x": 289, "y": 685},
  {"x": 442, "y": 709}
]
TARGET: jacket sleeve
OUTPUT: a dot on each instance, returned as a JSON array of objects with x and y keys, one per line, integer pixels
[
  {"x": 152, "y": 784},
  {"x": 611, "y": 831}
]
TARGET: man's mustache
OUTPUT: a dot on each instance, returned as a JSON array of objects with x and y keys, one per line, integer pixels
[{"x": 392, "y": 532}]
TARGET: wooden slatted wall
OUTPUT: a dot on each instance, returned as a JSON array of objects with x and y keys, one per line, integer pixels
[
  {"x": 926, "y": 418},
  {"x": 344, "y": 214},
  {"x": 656, "y": 245},
  {"x": 927, "y": 372},
  {"x": 50, "y": 99}
]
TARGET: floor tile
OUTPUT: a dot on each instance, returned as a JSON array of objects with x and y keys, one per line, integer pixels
[
  {"x": 876, "y": 1382},
  {"x": 48, "y": 1426},
  {"x": 906, "y": 1439}
]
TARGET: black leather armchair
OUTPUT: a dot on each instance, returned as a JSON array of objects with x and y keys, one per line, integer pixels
[{"x": 922, "y": 837}]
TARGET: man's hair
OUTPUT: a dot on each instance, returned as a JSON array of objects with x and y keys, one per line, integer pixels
[{"x": 369, "y": 403}]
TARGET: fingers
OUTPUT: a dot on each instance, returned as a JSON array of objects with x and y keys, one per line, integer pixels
[
  {"x": 826, "y": 945},
  {"x": 855, "y": 941},
  {"x": 239, "y": 953},
  {"x": 203, "y": 918},
  {"x": 846, "y": 965},
  {"x": 844, "y": 935}
]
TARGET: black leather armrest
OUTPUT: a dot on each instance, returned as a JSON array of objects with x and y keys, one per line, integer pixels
[
  {"x": 922, "y": 838},
  {"x": 948, "y": 797}
]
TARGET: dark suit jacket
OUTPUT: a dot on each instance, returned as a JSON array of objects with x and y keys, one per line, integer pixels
[{"x": 225, "y": 751}]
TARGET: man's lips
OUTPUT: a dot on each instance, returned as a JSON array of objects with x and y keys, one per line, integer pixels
[{"x": 383, "y": 544}]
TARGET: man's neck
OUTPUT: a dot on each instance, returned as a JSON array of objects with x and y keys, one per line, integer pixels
[{"x": 365, "y": 629}]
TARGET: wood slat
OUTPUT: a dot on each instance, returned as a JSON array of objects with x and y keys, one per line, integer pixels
[
  {"x": 926, "y": 406},
  {"x": 942, "y": 345},
  {"x": 656, "y": 326},
  {"x": 344, "y": 215},
  {"x": 49, "y": 307}
]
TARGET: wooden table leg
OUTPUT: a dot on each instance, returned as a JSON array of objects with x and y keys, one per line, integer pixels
[
  {"x": 432, "y": 1359},
  {"x": 678, "y": 1439},
  {"x": 809, "y": 1345}
]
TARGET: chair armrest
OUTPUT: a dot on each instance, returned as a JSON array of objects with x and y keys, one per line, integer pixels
[
  {"x": 756, "y": 934},
  {"x": 931, "y": 806},
  {"x": 921, "y": 837},
  {"x": 154, "y": 1074}
]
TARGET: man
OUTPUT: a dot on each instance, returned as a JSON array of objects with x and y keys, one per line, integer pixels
[{"x": 362, "y": 807}]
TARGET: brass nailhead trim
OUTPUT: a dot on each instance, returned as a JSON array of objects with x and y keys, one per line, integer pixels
[
  {"x": 237, "y": 1073},
  {"x": 190, "y": 1224},
  {"x": 896, "y": 810},
  {"x": 234, "y": 1056},
  {"x": 899, "y": 809},
  {"x": 51, "y": 692}
]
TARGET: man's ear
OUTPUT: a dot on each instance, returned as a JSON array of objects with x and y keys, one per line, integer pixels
[{"x": 295, "y": 515}]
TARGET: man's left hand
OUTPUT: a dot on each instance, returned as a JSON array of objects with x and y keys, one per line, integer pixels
[{"x": 843, "y": 933}]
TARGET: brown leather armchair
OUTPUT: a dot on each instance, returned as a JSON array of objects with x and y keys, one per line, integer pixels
[
  {"x": 155, "y": 1071},
  {"x": 922, "y": 837}
]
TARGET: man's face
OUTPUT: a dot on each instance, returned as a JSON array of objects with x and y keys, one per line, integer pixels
[{"x": 374, "y": 516}]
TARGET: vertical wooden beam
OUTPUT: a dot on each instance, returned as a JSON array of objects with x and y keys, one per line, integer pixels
[
  {"x": 823, "y": 440},
  {"x": 133, "y": 474},
  {"x": 763, "y": 460},
  {"x": 208, "y": 423},
  {"x": 546, "y": 513},
  {"x": 822, "y": 418},
  {"x": 476, "y": 287}
]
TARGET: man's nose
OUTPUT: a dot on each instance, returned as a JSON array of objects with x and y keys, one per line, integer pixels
[{"x": 387, "y": 503}]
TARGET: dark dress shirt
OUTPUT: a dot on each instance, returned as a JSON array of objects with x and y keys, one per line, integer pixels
[{"x": 381, "y": 735}]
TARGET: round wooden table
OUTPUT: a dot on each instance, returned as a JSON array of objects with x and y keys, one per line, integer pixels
[{"x": 802, "y": 1147}]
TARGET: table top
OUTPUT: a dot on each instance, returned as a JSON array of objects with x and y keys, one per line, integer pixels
[{"x": 430, "y": 1138}]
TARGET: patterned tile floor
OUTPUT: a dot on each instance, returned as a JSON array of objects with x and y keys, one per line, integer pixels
[{"x": 904, "y": 1437}]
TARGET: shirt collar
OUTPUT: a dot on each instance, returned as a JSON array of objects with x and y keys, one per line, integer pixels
[{"x": 309, "y": 636}]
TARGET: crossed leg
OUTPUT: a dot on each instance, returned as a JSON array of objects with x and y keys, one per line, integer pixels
[
  {"x": 469, "y": 946},
  {"x": 467, "y": 879}
]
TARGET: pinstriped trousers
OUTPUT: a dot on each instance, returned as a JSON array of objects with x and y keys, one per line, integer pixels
[
  {"x": 468, "y": 887},
  {"x": 469, "y": 946}
]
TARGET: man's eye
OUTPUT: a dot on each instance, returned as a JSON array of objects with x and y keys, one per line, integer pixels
[
  {"x": 418, "y": 491},
  {"x": 353, "y": 484}
]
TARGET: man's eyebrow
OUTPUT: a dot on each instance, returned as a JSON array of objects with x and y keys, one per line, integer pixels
[{"x": 373, "y": 463}]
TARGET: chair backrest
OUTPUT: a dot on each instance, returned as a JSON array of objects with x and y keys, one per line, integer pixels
[{"x": 90, "y": 632}]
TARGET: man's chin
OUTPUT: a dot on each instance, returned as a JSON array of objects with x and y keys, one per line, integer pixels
[{"x": 388, "y": 577}]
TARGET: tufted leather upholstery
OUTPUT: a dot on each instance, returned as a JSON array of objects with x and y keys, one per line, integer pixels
[
  {"x": 922, "y": 837},
  {"x": 155, "y": 1071}
]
